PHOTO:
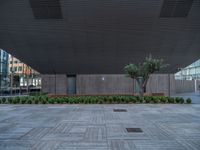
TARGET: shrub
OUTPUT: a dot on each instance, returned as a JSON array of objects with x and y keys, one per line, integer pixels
[
  {"x": 18, "y": 99},
  {"x": 110, "y": 100},
  {"x": 155, "y": 100},
  {"x": 44, "y": 101},
  {"x": 171, "y": 100},
  {"x": 133, "y": 99},
  {"x": 163, "y": 99},
  {"x": 51, "y": 101},
  {"x": 95, "y": 100},
  {"x": 66, "y": 100},
  {"x": 23, "y": 100},
  {"x": 70, "y": 99},
  {"x": 58, "y": 100},
  {"x": 39, "y": 99},
  {"x": 140, "y": 99},
  {"x": 100, "y": 101},
  {"x": 10, "y": 100},
  {"x": 29, "y": 101},
  {"x": 14, "y": 101},
  {"x": 188, "y": 101},
  {"x": 182, "y": 100},
  {"x": 36, "y": 101},
  {"x": 85, "y": 101},
  {"x": 179, "y": 100},
  {"x": 114, "y": 99},
  {"x": 147, "y": 99},
  {"x": 127, "y": 100},
  {"x": 3, "y": 100},
  {"x": 62, "y": 99},
  {"x": 91, "y": 99}
]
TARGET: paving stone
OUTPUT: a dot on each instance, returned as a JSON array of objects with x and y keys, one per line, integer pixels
[
  {"x": 15, "y": 145},
  {"x": 158, "y": 145},
  {"x": 46, "y": 145},
  {"x": 83, "y": 146},
  {"x": 95, "y": 134},
  {"x": 97, "y": 127},
  {"x": 121, "y": 145},
  {"x": 193, "y": 144},
  {"x": 35, "y": 134}
]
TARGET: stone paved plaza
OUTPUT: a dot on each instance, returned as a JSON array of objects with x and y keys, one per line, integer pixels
[{"x": 98, "y": 127}]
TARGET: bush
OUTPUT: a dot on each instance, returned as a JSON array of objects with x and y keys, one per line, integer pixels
[
  {"x": 92, "y": 100},
  {"x": 155, "y": 100},
  {"x": 114, "y": 99},
  {"x": 70, "y": 100},
  {"x": 29, "y": 101},
  {"x": 58, "y": 101},
  {"x": 100, "y": 101},
  {"x": 3, "y": 100},
  {"x": 177, "y": 99},
  {"x": 10, "y": 100},
  {"x": 133, "y": 99},
  {"x": 188, "y": 101},
  {"x": 51, "y": 101},
  {"x": 163, "y": 99},
  {"x": 36, "y": 101},
  {"x": 147, "y": 99},
  {"x": 44, "y": 101},
  {"x": 182, "y": 100},
  {"x": 171, "y": 100},
  {"x": 14, "y": 101}
]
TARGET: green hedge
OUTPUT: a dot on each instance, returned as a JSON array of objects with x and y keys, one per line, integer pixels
[{"x": 44, "y": 99}]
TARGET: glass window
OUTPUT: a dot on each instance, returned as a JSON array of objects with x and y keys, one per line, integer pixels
[{"x": 20, "y": 68}]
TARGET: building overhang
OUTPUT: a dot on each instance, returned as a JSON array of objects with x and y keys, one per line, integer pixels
[{"x": 97, "y": 37}]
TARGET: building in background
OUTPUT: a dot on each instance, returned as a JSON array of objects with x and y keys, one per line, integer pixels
[
  {"x": 191, "y": 72},
  {"x": 3, "y": 69},
  {"x": 23, "y": 75}
]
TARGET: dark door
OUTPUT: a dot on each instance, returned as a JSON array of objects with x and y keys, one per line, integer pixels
[{"x": 71, "y": 84}]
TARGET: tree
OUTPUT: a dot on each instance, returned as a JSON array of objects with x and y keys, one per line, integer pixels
[{"x": 141, "y": 72}]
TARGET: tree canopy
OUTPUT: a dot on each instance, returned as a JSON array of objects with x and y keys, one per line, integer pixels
[{"x": 144, "y": 69}]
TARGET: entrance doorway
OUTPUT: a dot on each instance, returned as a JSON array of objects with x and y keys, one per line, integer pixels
[{"x": 71, "y": 84}]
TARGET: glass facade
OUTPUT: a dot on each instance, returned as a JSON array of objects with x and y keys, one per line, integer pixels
[
  {"x": 3, "y": 69},
  {"x": 191, "y": 72},
  {"x": 17, "y": 77}
]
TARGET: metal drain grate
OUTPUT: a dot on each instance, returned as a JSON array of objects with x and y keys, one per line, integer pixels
[
  {"x": 119, "y": 110},
  {"x": 134, "y": 130}
]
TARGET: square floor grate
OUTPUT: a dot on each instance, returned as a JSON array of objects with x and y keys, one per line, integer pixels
[
  {"x": 134, "y": 130},
  {"x": 119, "y": 110}
]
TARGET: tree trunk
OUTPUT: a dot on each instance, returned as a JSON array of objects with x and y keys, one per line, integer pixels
[
  {"x": 144, "y": 87},
  {"x": 140, "y": 84}
]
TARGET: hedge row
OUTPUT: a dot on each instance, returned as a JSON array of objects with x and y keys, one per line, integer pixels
[{"x": 93, "y": 100}]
